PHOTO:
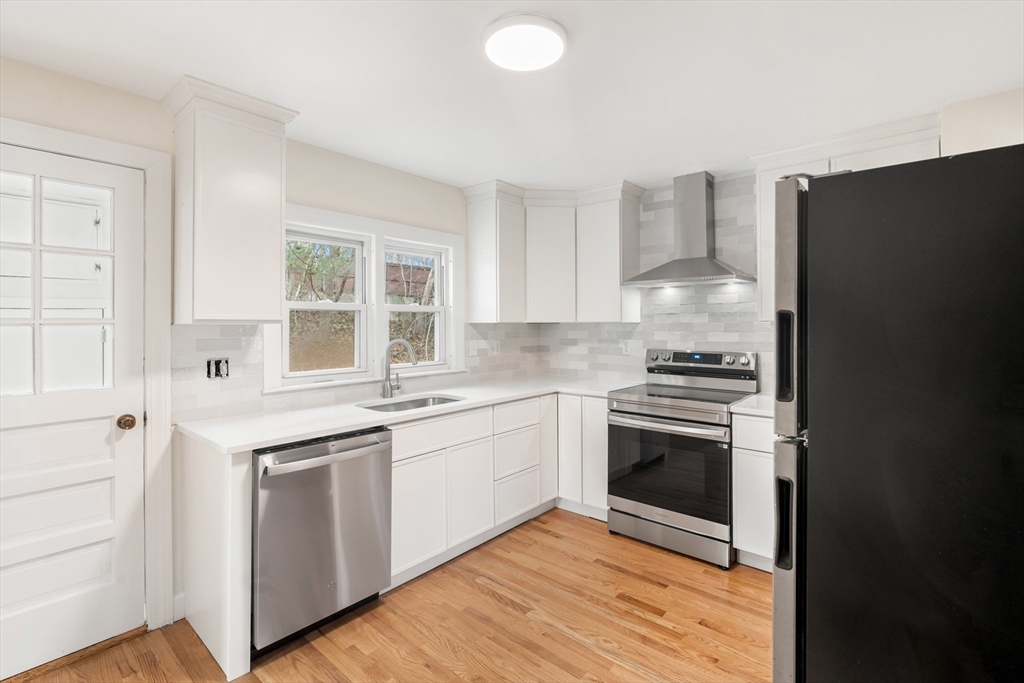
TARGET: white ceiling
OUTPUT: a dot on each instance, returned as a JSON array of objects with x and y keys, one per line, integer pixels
[{"x": 645, "y": 91}]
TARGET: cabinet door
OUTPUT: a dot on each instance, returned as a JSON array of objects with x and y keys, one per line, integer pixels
[
  {"x": 238, "y": 247},
  {"x": 595, "y": 452},
  {"x": 548, "y": 447},
  {"x": 570, "y": 448},
  {"x": 470, "y": 490},
  {"x": 766, "y": 230},
  {"x": 551, "y": 264},
  {"x": 753, "y": 514},
  {"x": 418, "y": 520},
  {"x": 511, "y": 259},
  {"x": 598, "y": 283}
]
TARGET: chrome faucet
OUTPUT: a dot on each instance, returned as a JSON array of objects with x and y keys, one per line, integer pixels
[{"x": 389, "y": 389}]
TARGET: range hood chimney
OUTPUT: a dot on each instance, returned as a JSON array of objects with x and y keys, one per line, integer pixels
[{"x": 693, "y": 259}]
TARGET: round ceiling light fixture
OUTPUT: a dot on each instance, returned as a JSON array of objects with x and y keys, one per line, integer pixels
[{"x": 524, "y": 42}]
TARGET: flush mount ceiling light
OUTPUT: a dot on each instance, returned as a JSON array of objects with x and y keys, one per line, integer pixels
[{"x": 524, "y": 42}]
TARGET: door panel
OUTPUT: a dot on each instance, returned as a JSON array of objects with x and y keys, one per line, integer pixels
[{"x": 71, "y": 481}]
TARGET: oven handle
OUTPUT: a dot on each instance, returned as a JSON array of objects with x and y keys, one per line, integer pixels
[{"x": 669, "y": 427}]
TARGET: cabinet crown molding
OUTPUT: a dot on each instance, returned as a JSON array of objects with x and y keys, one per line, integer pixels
[
  {"x": 190, "y": 87},
  {"x": 926, "y": 126},
  {"x": 491, "y": 189}
]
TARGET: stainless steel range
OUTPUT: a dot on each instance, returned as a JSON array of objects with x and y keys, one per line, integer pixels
[{"x": 670, "y": 451}]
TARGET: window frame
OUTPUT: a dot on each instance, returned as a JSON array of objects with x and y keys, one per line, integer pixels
[
  {"x": 361, "y": 368},
  {"x": 377, "y": 237}
]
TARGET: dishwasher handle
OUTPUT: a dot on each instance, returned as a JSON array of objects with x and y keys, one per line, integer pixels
[{"x": 300, "y": 465}]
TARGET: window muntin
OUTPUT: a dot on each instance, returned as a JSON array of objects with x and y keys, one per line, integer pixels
[{"x": 325, "y": 297}]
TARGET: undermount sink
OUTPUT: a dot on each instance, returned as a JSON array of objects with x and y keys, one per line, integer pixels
[{"x": 410, "y": 403}]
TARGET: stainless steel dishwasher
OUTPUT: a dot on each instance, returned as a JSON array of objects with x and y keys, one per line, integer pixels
[{"x": 321, "y": 530}]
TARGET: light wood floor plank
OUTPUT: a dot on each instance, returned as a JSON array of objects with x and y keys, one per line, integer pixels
[{"x": 556, "y": 599}]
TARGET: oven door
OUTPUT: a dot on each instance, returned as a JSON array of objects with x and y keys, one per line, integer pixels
[{"x": 673, "y": 472}]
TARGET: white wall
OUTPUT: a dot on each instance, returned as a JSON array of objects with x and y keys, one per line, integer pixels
[
  {"x": 984, "y": 123},
  {"x": 316, "y": 177}
]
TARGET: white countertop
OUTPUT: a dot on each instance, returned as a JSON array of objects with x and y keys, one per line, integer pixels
[
  {"x": 758, "y": 405},
  {"x": 248, "y": 432}
]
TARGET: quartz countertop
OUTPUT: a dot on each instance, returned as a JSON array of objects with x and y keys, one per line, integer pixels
[
  {"x": 260, "y": 430},
  {"x": 757, "y": 405}
]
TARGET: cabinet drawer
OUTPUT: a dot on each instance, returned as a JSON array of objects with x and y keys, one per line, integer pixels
[
  {"x": 509, "y": 416},
  {"x": 432, "y": 435},
  {"x": 516, "y": 494},
  {"x": 753, "y": 433},
  {"x": 516, "y": 451}
]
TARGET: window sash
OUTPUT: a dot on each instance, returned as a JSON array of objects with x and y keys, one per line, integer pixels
[{"x": 359, "y": 307}]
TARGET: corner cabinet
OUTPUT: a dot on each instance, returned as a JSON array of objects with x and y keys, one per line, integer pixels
[
  {"x": 553, "y": 256},
  {"x": 901, "y": 142},
  {"x": 229, "y": 184}
]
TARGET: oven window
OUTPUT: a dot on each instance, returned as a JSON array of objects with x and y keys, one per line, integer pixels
[{"x": 678, "y": 473}]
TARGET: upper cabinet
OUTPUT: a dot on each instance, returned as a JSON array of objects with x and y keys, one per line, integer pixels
[
  {"x": 551, "y": 255},
  {"x": 496, "y": 249},
  {"x": 229, "y": 204},
  {"x": 608, "y": 252},
  {"x": 896, "y": 143}
]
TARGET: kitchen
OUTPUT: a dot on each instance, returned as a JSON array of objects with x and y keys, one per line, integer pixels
[{"x": 524, "y": 395}]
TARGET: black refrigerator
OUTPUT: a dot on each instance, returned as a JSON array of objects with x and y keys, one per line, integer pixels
[{"x": 899, "y": 468}]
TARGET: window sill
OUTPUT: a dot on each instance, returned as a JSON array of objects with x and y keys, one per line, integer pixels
[{"x": 342, "y": 383}]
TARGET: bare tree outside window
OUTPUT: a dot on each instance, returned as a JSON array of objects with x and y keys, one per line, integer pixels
[{"x": 410, "y": 283}]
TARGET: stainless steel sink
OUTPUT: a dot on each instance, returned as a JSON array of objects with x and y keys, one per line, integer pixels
[{"x": 410, "y": 403}]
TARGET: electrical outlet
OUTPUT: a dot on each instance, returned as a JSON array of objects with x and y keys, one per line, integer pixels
[
  {"x": 496, "y": 346},
  {"x": 474, "y": 347},
  {"x": 216, "y": 368},
  {"x": 627, "y": 347}
]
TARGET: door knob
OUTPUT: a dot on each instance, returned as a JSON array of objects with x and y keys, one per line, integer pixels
[{"x": 126, "y": 422}]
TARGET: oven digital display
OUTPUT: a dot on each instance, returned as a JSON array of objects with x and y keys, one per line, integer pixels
[{"x": 702, "y": 358}]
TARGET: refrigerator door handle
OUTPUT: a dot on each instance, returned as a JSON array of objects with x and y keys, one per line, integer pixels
[{"x": 786, "y": 614}]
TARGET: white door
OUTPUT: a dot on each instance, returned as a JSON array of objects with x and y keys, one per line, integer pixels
[{"x": 71, "y": 342}]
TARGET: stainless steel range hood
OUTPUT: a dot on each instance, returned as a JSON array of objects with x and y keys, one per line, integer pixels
[{"x": 693, "y": 260}]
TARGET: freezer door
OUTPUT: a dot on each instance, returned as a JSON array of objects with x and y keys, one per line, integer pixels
[
  {"x": 787, "y": 595},
  {"x": 789, "y": 216}
]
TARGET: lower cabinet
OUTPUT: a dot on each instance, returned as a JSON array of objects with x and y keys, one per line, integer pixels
[
  {"x": 570, "y": 448},
  {"x": 418, "y": 519},
  {"x": 470, "y": 490},
  {"x": 595, "y": 452},
  {"x": 753, "y": 507},
  {"x": 548, "y": 447},
  {"x": 516, "y": 494}
]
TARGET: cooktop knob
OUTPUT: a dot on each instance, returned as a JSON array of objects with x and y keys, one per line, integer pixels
[
  {"x": 666, "y": 356},
  {"x": 653, "y": 356},
  {"x": 729, "y": 360},
  {"x": 744, "y": 361}
]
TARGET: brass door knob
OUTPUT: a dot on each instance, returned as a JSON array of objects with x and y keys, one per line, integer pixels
[{"x": 126, "y": 422}]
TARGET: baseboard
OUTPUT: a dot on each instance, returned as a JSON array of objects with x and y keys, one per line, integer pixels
[
  {"x": 753, "y": 560},
  {"x": 582, "y": 509},
  {"x": 467, "y": 545},
  {"x": 179, "y": 606},
  {"x": 52, "y": 666}
]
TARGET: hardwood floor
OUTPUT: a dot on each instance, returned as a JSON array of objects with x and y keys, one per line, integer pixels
[{"x": 556, "y": 599}]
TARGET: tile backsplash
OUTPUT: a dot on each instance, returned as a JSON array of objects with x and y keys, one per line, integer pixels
[{"x": 708, "y": 317}]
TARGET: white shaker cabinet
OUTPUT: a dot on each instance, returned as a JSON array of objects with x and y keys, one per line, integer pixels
[
  {"x": 496, "y": 248},
  {"x": 595, "y": 452},
  {"x": 607, "y": 252},
  {"x": 470, "y": 490},
  {"x": 419, "y": 520},
  {"x": 753, "y": 509},
  {"x": 229, "y": 183},
  {"x": 570, "y": 448},
  {"x": 548, "y": 447},
  {"x": 550, "y": 264}
]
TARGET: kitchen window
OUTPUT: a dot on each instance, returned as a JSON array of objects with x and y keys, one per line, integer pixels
[{"x": 352, "y": 284}]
